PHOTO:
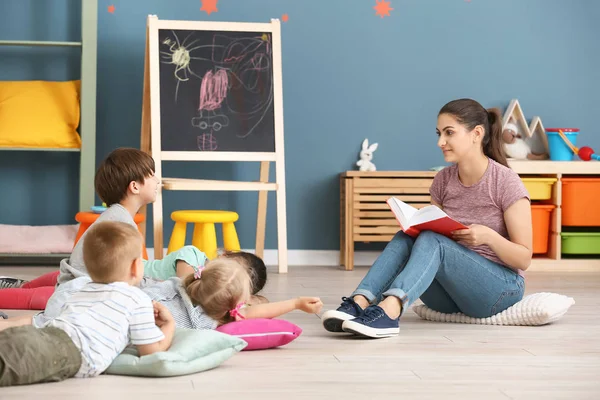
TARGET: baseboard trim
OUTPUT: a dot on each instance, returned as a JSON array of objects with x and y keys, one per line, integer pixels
[{"x": 331, "y": 258}]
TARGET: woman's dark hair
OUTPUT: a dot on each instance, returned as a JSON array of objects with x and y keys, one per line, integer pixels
[
  {"x": 470, "y": 113},
  {"x": 256, "y": 268}
]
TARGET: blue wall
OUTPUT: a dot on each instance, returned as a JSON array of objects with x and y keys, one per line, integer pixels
[{"x": 347, "y": 75}]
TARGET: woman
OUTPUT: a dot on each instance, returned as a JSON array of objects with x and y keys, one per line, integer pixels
[{"x": 479, "y": 270}]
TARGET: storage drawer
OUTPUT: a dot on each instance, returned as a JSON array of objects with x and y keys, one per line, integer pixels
[
  {"x": 539, "y": 188},
  {"x": 580, "y": 201},
  {"x": 580, "y": 242},
  {"x": 541, "y": 215}
]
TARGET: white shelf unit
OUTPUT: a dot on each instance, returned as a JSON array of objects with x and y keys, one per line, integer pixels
[{"x": 87, "y": 125}]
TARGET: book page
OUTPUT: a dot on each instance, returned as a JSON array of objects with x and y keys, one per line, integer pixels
[
  {"x": 426, "y": 214},
  {"x": 402, "y": 211}
]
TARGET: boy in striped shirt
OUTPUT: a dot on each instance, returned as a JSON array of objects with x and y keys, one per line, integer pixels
[{"x": 96, "y": 323}]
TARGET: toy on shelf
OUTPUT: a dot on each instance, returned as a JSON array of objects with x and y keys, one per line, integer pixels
[
  {"x": 522, "y": 141},
  {"x": 586, "y": 153},
  {"x": 366, "y": 155},
  {"x": 515, "y": 145}
]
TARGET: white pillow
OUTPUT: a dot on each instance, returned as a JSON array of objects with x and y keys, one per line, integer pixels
[{"x": 534, "y": 309}]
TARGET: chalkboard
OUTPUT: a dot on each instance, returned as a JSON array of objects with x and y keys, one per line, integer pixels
[{"x": 216, "y": 91}]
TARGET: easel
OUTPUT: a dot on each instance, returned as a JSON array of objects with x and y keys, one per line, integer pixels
[{"x": 151, "y": 137}]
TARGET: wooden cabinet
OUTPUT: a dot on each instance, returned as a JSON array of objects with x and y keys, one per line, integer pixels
[
  {"x": 364, "y": 213},
  {"x": 365, "y": 216}
]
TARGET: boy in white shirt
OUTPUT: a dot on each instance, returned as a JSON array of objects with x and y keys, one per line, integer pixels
[{"x": 96, "y": 323}]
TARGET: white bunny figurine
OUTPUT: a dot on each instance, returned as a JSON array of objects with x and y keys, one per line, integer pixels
[{"x": 366, "y": 155}]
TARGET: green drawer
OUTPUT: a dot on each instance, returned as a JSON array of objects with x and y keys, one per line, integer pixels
[{"x": 580, "y": 242}]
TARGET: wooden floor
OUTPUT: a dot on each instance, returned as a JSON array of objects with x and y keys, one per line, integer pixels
[{"x": 427, "y": 361}]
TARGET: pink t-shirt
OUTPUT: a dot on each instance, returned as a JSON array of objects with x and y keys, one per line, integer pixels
[{"x": 483, "y": 203}]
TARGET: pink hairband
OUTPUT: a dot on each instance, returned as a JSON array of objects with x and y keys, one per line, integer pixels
[
  {"x": 236, "y": 311},
  {"x": 198, "y": 273}
]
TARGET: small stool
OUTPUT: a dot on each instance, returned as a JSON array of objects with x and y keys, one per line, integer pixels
[
  {"x": 86, "y": 219},
  {"x": 205, "y": 236}
]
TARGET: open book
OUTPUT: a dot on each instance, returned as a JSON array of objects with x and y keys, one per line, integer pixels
[{"x": 429, "y": 218}]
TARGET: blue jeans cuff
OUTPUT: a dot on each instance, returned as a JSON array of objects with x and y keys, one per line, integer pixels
[
  {"x": 400, "y": 294},
  {"x": 370, "y": 296}
]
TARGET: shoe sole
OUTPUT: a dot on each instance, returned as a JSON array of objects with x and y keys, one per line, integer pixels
[
  {"x": 333, "y": 320},
  {"x": 362, "y": 330},
  {"x": 14, "y": 283}
]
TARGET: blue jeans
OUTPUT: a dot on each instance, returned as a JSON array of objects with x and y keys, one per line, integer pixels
[{"x": 447, "y": 276}]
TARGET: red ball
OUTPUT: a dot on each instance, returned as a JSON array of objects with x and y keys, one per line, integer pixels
[{"x": 585, "y": 153}]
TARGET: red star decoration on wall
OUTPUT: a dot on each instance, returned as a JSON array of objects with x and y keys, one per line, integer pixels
[
  {"x": 382, "y": 8},
  {"x": 209, "y": 6},
  {"x": 111, "y": 9}
]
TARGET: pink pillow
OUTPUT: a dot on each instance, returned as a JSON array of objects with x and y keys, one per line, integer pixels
[{"x": 262, "y": 333}]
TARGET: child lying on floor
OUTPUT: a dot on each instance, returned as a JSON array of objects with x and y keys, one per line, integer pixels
[
  {"x": 96, "y": 322},
  {"x": 125, "y": 181},
  {"x": 179, "y": 263},
  {"x": 17, "y": 293},
  {"x": 216, "y": 294}
]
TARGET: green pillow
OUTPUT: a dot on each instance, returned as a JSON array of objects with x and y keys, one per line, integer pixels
[{"x": 191, "y": 351}]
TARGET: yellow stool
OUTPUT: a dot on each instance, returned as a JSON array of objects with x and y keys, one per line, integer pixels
[{"x": 205, "y": 236}]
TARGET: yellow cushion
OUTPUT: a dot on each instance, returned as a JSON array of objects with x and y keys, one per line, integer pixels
[{"x": 36, "y": 114}]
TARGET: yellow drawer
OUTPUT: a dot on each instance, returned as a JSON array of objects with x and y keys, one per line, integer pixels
[{"x": 539, "y": 188}]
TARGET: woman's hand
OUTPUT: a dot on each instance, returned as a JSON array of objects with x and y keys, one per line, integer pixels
[{"x": 476, "y": 235}]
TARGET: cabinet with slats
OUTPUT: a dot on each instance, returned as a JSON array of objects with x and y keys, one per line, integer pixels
[{"x": 364, "y": 214}]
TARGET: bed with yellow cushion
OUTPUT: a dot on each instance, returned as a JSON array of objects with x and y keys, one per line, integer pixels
[{"x": 39, "y": 114}]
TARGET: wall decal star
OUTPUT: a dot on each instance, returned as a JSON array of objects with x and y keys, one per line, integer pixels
[
  {"x": 209, "y": 6},
  {"x": 382, "y": 8}
]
